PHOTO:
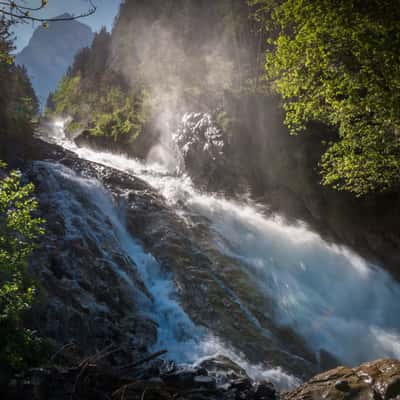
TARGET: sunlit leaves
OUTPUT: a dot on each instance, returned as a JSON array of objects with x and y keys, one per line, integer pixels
[
  {"x": 114, "y": 113},
  {"x": 339, "y": 63},
  {"x": 19, "y": 229}
]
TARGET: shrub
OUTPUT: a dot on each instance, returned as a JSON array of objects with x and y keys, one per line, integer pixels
[{"x": 19, "y": 230}]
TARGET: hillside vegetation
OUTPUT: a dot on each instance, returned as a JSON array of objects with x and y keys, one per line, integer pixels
[
  {"x": 18, "y": 102},
  {"x": 98, "y": 99}
]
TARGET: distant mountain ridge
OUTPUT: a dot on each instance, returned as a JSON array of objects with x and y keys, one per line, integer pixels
[{"x": 51, "y": 51}]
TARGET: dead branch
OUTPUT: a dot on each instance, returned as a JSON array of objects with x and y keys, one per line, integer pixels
[
  {"x": 19, "y": 12},
  {"x": 145, "y": 360},
  {"x": 61, "y": 350}
]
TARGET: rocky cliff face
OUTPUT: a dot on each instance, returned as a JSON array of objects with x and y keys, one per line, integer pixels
[{"x": 50, "y": 52}]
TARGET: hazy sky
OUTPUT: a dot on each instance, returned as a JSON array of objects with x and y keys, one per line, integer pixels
[{"x": 104, "y": 16}]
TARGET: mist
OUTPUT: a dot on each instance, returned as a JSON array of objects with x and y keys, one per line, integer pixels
[{"x": 185, "y": 53}]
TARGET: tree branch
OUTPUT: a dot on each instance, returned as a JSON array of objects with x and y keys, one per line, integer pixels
[
  {"x": 13, "y": 4},
  {"x": 23, "y": 13}
]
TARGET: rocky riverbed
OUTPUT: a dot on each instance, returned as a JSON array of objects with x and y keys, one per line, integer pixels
[{"x": 214, "y": 379}]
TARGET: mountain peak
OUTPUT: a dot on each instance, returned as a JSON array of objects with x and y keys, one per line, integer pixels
[{"x": 51, "y": 51}]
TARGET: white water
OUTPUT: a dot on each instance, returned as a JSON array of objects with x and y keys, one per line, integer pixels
[
  {"x": 334, "y": 299},
  {"x": 74, "y": 196},
  {"x": 104, "y": 223}
]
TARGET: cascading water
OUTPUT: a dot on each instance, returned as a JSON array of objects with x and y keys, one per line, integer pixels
[
  {"x": 335, "y": 300},
  {"x": 331, "y": 297},
  {"x": 88, "y": 210}
]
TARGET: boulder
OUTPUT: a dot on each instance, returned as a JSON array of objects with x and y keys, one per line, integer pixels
[
  {"x": 265, "y": 391},
  {"x": 222, "y": 366},
  {"x": 203, "y": 148},
  {"x": 378, "y": 380}
]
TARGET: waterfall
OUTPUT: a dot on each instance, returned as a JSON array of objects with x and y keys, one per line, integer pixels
[
  {"x": 88, "y": 210},
  {"x": 335, "y": 300}
]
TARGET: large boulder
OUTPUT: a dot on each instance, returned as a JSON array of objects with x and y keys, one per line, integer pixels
[
  {"x": 203, "y": 147},
  {"x": 378, "y": 380}
]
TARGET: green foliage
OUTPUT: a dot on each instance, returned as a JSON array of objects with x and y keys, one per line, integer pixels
[
  {"x": 6, "y": 45},
  {"x": 66, "y": 98},
  {"x": 18, "y": 102},
  {"x": 19, "y": 347},
  {"x": 104, "y": 110},
  {"x": 339, "y": 63},
  {"x": 97, "y": 99},
  {"x": 125, "y": 116}
]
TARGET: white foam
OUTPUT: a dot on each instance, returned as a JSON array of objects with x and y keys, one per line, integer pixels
[
  {"x": 88, "y": 210},
  {"x": 211, "y": 346},
  {"x": 333, "y": 298}
]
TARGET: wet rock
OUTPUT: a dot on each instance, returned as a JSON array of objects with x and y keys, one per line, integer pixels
[
  {"x": 222, "y": 366},
  {"x": 342, "y": 386},
  {"x": 327, "y": 360},
  {"x": 229, "y": 376},
  {"x": 202, "y": 145},
  {"x": 392, "y": 388},
  {"x": 181, "y": 379},
  {"x": 378, "y": 380},
  {"x": 240, "y": 385},
  {"x": 205, "y": 381},
  {"x": 103, "y": 143},
  {"x": 175, "y": 376},
  {"x": 265, "y": 391}
]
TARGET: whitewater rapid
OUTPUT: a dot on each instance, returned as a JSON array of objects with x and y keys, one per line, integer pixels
[
  {"x": 89, "y": 210},
  {"x": 335, "y": 300}
]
